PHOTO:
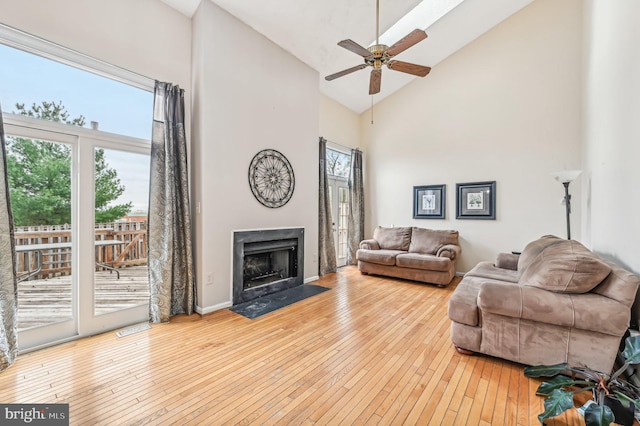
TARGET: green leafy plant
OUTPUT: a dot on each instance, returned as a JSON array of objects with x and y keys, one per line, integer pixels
[{"x": 560, "y": 389}]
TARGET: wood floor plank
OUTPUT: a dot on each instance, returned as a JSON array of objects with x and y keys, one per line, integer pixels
[
  {"x": 523, "y": 400},
  {"x": 373, "y": 350},
  {"x": 479, "y": 398}
]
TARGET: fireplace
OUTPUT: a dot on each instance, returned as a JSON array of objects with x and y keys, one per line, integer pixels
[{"x": 266, "y": 261}]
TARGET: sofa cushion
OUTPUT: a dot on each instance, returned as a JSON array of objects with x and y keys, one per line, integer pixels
[
  {"x": 507, "y": 261},
  {"x": 427, "y": 262},
  {"x": 393, "y": 238},
  {"x": 566, "y": 267},
  {"x": 489, "y": 270},
  {"x": 380, "y": 257},
  {"x": 533, "y": 249},
  {"x": 430, "y": 240}
]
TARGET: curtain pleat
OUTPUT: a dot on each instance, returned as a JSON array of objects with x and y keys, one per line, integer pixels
[
  {"x": 171, "y": 280},
  {"x": 326, "y": 247},
  {"x": 356, "y": 207},
  {"x": 8, "y": 282}
]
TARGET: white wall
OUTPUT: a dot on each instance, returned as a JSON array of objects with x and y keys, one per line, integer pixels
[
  {"x": 507, "y": 108},
  {"x": 612, "y": 130},
  {"x": 249, "y": 95},
  {"x": 338, "y": 123},
  {"x": 135, "y": 35}
]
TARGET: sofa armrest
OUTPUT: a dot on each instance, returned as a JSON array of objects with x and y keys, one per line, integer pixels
[
  {"x": 449, "y": 250},
  {"x": 369, "y": 244},
  {"x": 586, "y": 311},
  {"x": 507, "y": 261}
]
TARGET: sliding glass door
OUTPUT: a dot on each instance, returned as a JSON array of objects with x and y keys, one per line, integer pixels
[
  {"x": 80, "y": 233},
  {"x": 41, "y": 183},
  {"x": 121, "y": 274}
]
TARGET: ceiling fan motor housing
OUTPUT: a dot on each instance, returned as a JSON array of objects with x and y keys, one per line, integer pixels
[{"x": 379, "y": 57}]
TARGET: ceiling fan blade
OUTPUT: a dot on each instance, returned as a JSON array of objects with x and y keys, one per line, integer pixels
[
  {"x": 406, "y": 42},
  {"x": 374, "y": 82},
  {"x": 355, "y": 48},
  {"x": 414, "y": 69},
  {"x": 345, "y": 72}
]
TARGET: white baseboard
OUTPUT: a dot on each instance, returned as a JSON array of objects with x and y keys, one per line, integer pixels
[
  {"x": 213, "y": 308},
  {"x": 459, "y": 274},
  {"x": 314, "y": 278}
]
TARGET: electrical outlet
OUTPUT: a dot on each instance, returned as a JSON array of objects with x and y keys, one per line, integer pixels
[{"x": 210, "y": 278}]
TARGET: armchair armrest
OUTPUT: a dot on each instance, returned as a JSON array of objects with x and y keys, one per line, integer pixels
[
  {"x": 449, "y": 250},
  {"x": 586, "y": 311},
  {"x": 507, "y": 261},
  {"x": 369, "y": 244}
]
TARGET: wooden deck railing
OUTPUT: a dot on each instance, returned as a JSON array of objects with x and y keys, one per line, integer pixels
[{"x": 57, "y": 261}]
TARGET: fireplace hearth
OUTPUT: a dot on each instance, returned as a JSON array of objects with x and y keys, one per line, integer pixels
[{"x": 266, "y": 261}]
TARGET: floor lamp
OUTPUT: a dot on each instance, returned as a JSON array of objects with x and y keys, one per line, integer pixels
[{"x": 565, "y": 178}]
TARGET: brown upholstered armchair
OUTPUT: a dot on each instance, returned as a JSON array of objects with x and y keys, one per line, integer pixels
[{"x": 557, "y": 302}]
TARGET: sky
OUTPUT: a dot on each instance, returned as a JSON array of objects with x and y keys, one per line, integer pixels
[{"x": 117, "y": 107}]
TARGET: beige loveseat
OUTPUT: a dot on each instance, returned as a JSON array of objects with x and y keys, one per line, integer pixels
[
  {"x": 557, "y": 302},
  {"x": 418, "y": 254}
]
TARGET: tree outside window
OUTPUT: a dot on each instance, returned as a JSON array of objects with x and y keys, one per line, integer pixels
[
  {"x": 338, "y": 163},
  {"x": 40, "y": 175}
]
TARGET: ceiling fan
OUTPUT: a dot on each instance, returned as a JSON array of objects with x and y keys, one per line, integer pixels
[{"x": 379, "y": 54}]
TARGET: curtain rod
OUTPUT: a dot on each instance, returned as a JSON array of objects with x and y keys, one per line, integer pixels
[{"x": 340, "y": 145}]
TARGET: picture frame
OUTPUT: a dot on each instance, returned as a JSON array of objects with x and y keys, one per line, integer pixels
[
  {"x": 429, "y": 202},
  {"x": 476, "y": 200}
]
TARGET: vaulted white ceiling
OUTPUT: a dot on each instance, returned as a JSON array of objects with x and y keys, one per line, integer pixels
[{"x": 310, "y": 30}]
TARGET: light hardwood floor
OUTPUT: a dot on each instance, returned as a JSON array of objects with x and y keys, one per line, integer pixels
[{"x": 370, "y": 351}]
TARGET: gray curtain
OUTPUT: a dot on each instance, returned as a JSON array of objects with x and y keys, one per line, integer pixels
[
  {"x": 326, "y": 247},
  {"x": 356, "y": 206},
  {"x": 171, "y": 281},
  {"x": 8, "y": 286}
]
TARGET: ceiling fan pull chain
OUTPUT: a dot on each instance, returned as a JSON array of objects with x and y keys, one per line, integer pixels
[{"x": 372, "y": 109}]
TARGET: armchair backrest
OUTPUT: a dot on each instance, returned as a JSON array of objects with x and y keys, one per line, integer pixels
[{"x": 617, "y": 283}]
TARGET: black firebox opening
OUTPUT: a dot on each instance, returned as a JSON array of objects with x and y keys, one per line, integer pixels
[{"x": 269, "y": 261}]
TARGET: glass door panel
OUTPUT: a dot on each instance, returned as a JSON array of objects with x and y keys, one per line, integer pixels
[
  {"x": 121, "y": 204},
  {"x": 40, "y": 185},
  {"x": 339, "y": 194},
  {"x": 343, "y": 224}
]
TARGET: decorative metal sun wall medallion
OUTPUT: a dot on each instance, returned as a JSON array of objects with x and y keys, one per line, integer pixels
[{"x": 271, "y": 178}]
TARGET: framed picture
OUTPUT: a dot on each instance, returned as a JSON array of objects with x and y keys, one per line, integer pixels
[
  {"x": 429, "y": 202},
  {"x": 476, "y": 200}
]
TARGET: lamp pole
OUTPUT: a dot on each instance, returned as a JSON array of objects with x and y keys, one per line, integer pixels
[
  {"x": 565, "y": 178},
  {"x": 567, "y": 204}
]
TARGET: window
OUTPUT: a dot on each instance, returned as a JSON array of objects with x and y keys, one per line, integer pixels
[
  {"x": 29, "y": 79},
  {"x": 78, "y": 144},
  {"x": 338, "y": 163}
]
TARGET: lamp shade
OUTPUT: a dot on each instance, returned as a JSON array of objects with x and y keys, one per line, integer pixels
[{"x": 566, "y": 176}]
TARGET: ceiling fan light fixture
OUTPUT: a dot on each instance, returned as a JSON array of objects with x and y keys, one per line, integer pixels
[
  {"x": 379, "y": 54},
  {"x": 378, "y": 50}
]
